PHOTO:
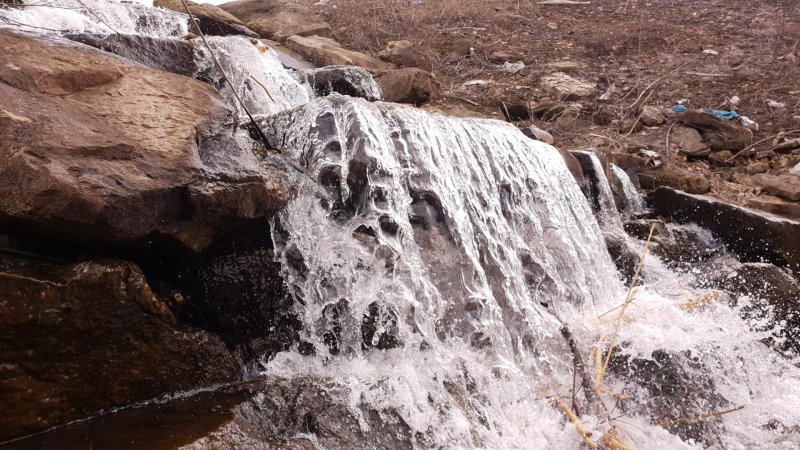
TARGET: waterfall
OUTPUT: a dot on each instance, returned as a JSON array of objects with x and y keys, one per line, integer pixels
[
  {"x": 451, "y": 274},
  {"x": 95, "y": 16},
  {"x": 254, "y": 70},
  {"x": 630, "y": 200},
  {"x": 600, "y": 193}
]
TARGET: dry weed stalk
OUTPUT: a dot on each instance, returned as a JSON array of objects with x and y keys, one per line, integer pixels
[
  {"x": 600, "y": 363},
  {"x": 701, "y": 417},
  {"x": 585, "y": 435},
  {"x": 700, "y": 301},
  {"x": 612, "y": 440}
]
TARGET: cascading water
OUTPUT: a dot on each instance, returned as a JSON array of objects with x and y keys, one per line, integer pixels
[
  {"x": 631, "y": 201},
  {"x": 450, "y": 273}
]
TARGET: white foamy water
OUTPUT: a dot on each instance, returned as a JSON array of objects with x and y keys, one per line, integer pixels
[
  {"x": 632, "y": 200},
  {"x": 95, "y": 16},
  {"x": 257, "y": 75}
]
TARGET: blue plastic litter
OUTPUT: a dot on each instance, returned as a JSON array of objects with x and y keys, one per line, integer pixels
[
  {"x": 722, "y": 115},
  {"x": 718, "y": 113}
]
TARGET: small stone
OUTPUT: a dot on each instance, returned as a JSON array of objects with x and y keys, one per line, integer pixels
[
  {"x": 552, "y": 25},
  {"x": 652, "y": 116},
  {"x": 756, "y": 167},
  {"x": 564, "y": 87},
  {"x": 538, "y": 134},
  {"x": 720, "y": 159},
  {"x": 689, "y": 142}
]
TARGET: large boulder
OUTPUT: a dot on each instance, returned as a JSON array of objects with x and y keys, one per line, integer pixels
[
  {"x": 278, "y": 19},
  {"x": 323, "y": 51},
  {"x": 77, "y": 339},
  {"x": 409, "y": 85},
  {"x": 753, "y": 235},
  {"x": 211, "y": 19},
  {"x": 718, "y": 134},
  {"x": 107, "y": 153}
]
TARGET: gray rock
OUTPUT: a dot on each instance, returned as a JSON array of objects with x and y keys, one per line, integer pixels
[
  {"x": 784, "y": 186},
  {"x": 752, "y": 235},
  {"x": 561, "y": 86},
  {"x": 346, "y": 80},
  {"x": 689, "y": 142}
]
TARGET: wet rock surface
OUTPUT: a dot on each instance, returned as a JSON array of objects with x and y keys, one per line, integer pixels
[
  {"x": 211, "y": 19},
  {"x": 76, "y": 339},
  {"x": 346, "y": 80},
  {"x": 266, "y": 413},
  {"x": 105, "y": 152},
  {"x": 754, "y": 236}
]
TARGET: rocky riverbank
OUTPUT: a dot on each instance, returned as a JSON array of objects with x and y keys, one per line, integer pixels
[{"x": 146, "y": 240}]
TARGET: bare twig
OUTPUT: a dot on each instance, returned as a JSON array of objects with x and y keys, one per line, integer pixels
[
  {"x": 258, "y": 129},
  {"x": 657, "y": 80}
]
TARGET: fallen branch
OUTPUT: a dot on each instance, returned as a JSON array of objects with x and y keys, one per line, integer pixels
[{"x": 782, "y": 133}]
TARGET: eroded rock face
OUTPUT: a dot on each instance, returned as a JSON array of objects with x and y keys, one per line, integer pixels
[
  {"x": 754, "y": 236},
  {"x": 345, "y": 80},
  {"x": 278, "y": 19},
  {"x": 104, "y": 152},
  {"x": 75, "y": 339},
  {"x": 212, "y": 19}
]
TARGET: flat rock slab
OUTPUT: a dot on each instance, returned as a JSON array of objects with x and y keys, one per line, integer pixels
[
  {"x": 753, "y": 235},
  {"x": 327, "y": 52},
  {"x": 784, "y": 186},
  {"x": 266, "y": 413},
  {"x": 278, "y": 19}
]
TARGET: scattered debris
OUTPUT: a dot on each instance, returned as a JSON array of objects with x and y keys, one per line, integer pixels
[
  {"x": 775, "y": 105},
  {"x": 476, "y": 83},
  {"x": 513, "y": 68},
  {"x": 653, "y": 158},
  {"x": 749, "y": 124},
  {"x": 709, "y": 51},
  {"x": 606, "y": 96}
]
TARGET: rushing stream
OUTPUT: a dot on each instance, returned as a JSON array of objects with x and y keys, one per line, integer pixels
[{"x": 452, "y": 271}]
